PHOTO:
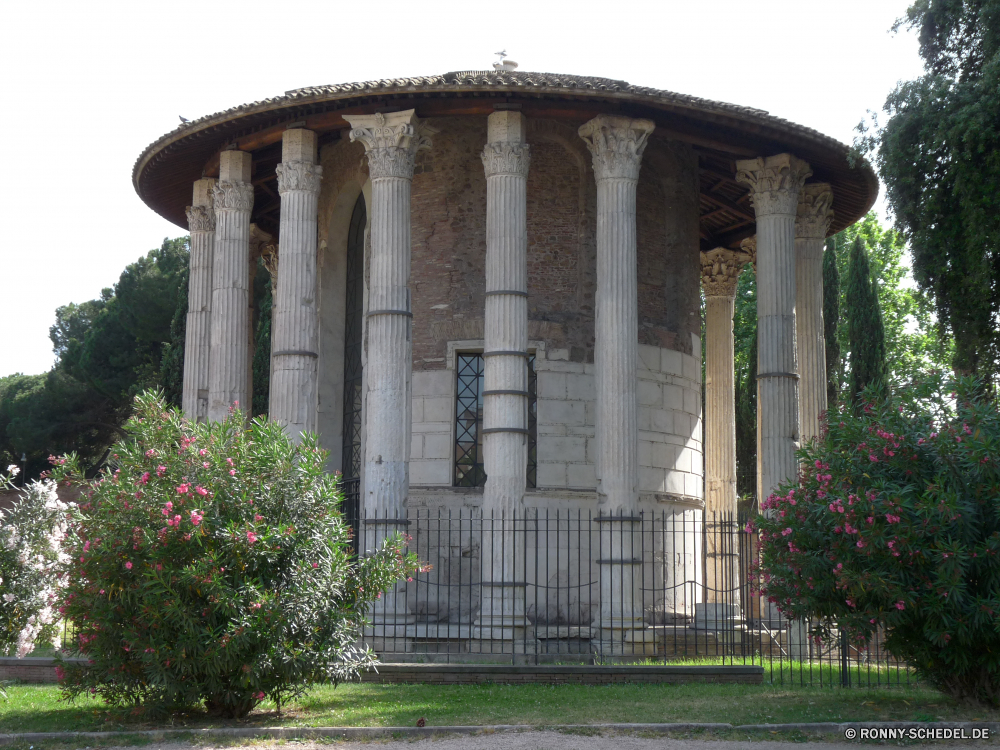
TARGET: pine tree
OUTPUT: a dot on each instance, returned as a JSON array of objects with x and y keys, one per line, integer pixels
[
  {"x": 865, "y": 330},
  {"x": 831, "y": 318}
]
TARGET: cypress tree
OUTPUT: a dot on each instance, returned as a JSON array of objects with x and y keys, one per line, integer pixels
[
  {"x": 831, "y": 318},
  {"x": 865, "y": 331}
]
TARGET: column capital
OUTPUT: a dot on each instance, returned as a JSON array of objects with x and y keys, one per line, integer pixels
[
  {"x": 616, "y": 144},
  {"x": 775, "y": 182},
  {"x": 233, "y": 196},
  {"x": 814, "y": 212},
  {"x": 720, "y": 270},
  {"x": 299, "y": 175},
  {"x": 506, "y": 158},
  {"x": 200, "y": 218},
  {"x": 749, "y": 246},
  {"x": 391, "y": 141},
  {"x": 261, "y": 242}
]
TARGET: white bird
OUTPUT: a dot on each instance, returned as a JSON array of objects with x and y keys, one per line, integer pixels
[{"x": 184, "y": 119}]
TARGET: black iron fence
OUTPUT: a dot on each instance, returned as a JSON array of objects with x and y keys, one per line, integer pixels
[{"x": 569, "y": 586}]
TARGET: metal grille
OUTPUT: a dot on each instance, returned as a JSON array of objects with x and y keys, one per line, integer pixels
[
  {"x": 532, "y": 423},
  {"x": 567, "y": 586},
  {"x": 353, "y": 370},
  {"x": 469, "y": 470}
]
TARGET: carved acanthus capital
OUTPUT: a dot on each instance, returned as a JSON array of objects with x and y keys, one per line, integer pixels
[
  {"x": 775, "y": 182},
  {"x": 200, "y": 218},
  {"x": 507, "y": 158},
  {"x": 391, "y": 141},
  {"x": 616, "y": 144},
  {"x": 233, "y": 196},
  {"x": 815, "y": 211},
  {"x": 299, "y": 175},
  {"x": 749, "y": 246},
  {"x": 261, "y": 243},
  {"x": 720, "y": 270}
]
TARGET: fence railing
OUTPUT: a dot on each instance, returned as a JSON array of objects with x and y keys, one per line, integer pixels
[{"x": 571, "y": 586}]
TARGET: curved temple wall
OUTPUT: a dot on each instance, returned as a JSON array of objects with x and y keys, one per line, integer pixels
[{"x": 448, "y": 225}]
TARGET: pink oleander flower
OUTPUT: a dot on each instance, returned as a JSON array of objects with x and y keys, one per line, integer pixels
[
  {"x": 201, "y": 490},
  {"x": 251, "y": 537},
  {"x": 232, "y": 472},
  {"x": 161, "y": 470},
  {"x": 900, "y": 605},
  {"x": 203, "y": 452},
  {"x": 169, "y": 506},
  {"x": 205, "y": 464},
  {"x": 315, "y": 565},
  {"x": 128, "y": 565},
  {"x": 258, "y": 517},
  {"x": 786, "y": 532},
  {"x": 182, "y": 489},
  {"x": 260, "y": 695},
  {"x": 144, "y": 478},
  {"x": 150, "y": 453},
  {"x": 196, "y": 518}
]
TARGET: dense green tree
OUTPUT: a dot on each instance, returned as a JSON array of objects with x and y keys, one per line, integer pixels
[
  {"x": 865, "y": 330},
  {"x": 745, "y": 359},
  {"x": 831, "y": 319},
  {"x": 938, "y": 155},
  {"x": 107, "y": 350},
  {"x": 262, "y": 343}
]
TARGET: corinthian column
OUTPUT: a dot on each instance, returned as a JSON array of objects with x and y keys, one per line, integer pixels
[
  {"x": 391, "y": 140},
  {"x": 775, "y": 183},
  {"x": 505, "y": 452},
  {"x": 229, "y": 364},
  {"x": 198, "y": 327},
  {"x": 811, "y": 225},
  {"x": 720, "y": 270},
  {"x": 616, "y": 145},
  {"x": 294, "y": 324}
]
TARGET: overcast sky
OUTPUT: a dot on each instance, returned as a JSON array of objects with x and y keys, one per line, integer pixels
[{"x": 87, "y": 86}]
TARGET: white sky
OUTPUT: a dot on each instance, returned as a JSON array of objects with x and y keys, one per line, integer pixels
[{"x": 86, "y": 86}]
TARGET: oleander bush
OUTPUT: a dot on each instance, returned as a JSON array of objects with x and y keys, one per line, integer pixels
[
  {"x": 31, "y": 535},
  {"x": 895, "y": 524},
  {"x": 212, "y": 566}
]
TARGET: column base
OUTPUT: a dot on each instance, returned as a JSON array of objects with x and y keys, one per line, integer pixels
[
  {"x": 624, "y": 637},
  {"x": 717, "y": 616}
]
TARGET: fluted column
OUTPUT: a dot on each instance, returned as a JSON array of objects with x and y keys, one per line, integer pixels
[
  {"x": 775, "y": 183},
  {"x": 811, "y": 225},
  {"x": 505, "y": 446},
  {"x": 294, "y": 322},
  {"x": 198, "y": 327},
  {"x": 616, "y": 145},
  {"x": 229, "y": 361},
  {"x": 720, "y": 271}
]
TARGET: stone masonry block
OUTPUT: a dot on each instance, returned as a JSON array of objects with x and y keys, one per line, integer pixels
[
  {"x": 551, "y": 385},
  {"x": 551, "y": 475},
  {"x": 554, "y": 355},
  {"x": 646, "y": 453},
  {"x": 693, "y": 485},
  {"x": 644, "y": 418},
  {"x": 696, "y": 346},
  {"x": 552, "y": 411},
  {"x": 664, "y": 456},
  {"x": 234, "y": 166},
  {"x": 674, "y": 482},
  {"x": 298, "y": 144},
  {"x": 662, "y": 420},
  {"x": 430, "y": 472},
  {"x": 671, "y": 362},
  {"x": 580, "y": 387},
  {"x": 416, "y": 446},
  {"x": 438, "y": 409},
  {"x": 673, "y": 397},
  {"x": 649, "y": 358},
  {"x": 417, "y": 407},
  {"x": 433, "y": 383},
  {"x": 581, "y": 476},
  {"x": 649, "y": 394},
  {"x": 651, "y": 479},
  {"x": 562, "y": 449},
  {"x": 692, "y": 403},
  {"x": 692, "y": 368},
  {"x": 437, "y": 446}
]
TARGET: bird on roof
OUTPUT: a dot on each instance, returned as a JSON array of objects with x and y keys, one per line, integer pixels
[{"x": 184, "y": 119}]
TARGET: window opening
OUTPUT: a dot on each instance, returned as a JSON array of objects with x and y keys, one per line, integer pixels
[{"x": 353, "y": 370}]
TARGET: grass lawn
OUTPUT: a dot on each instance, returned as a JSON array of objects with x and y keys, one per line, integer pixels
[{"x": 36, "y": 708}]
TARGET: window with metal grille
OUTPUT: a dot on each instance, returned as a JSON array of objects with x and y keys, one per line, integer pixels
[
  {"x": 469, "y": 470},
  {"x": 353, "y": 371}
]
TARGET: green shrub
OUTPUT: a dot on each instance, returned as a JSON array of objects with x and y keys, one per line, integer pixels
[
  {"x": 213, "y": 565},
  {"x": 895, "y": 524}
]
